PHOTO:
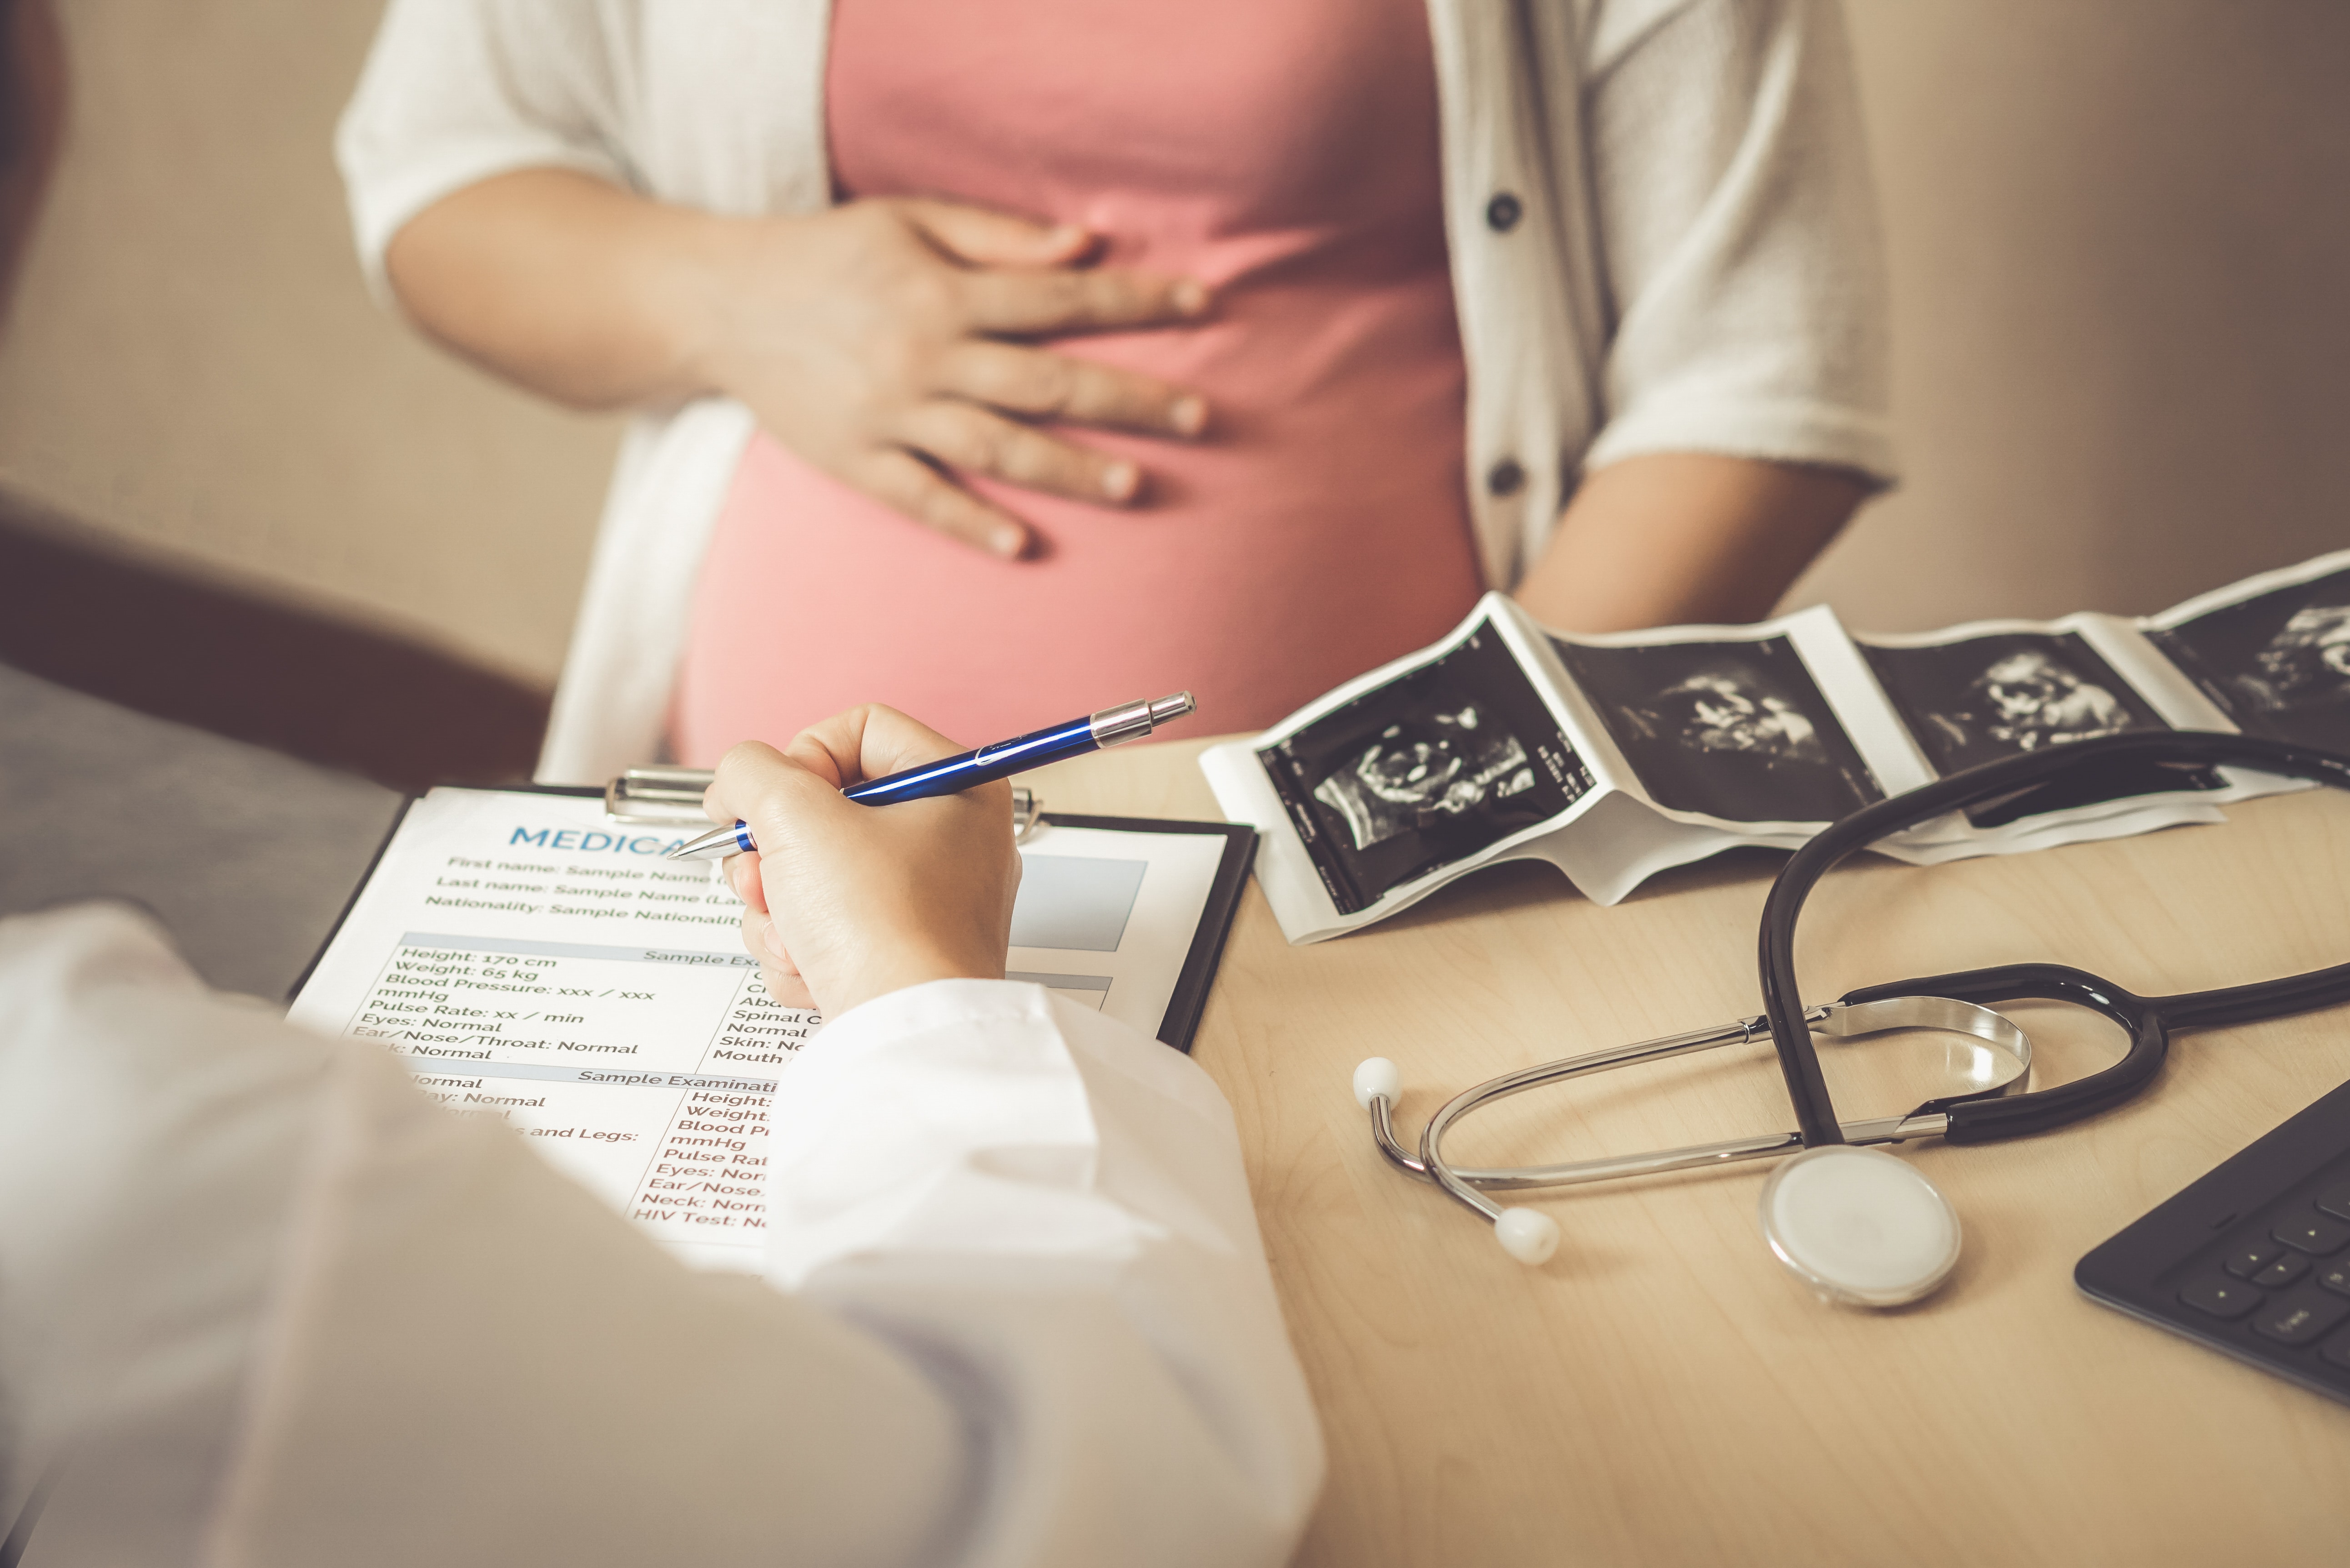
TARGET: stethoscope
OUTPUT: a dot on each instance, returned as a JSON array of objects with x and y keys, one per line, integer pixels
[{"x": 1854, "y": 1223}]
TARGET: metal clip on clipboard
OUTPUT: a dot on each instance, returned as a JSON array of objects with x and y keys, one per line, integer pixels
[{"x": 671, "y": 797}]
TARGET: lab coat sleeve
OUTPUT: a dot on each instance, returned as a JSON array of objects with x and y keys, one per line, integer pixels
[
  {"x": 1048, "y": 1211},
  {"x": 265, "y": 1302},
  {"x": 1738, "y": 231}
]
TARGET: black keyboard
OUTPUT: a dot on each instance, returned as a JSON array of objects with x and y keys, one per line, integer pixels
[{"x": 2253, "y": 1259}]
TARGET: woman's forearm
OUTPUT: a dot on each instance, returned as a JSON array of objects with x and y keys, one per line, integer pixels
[
  {"x": 1678, "y": 538},
  {"x": 891, "y": 343},
  {"x": 566, "y": 284}
]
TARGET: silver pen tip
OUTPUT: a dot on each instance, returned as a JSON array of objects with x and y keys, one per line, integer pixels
[
  {"x": 715, "y": 845},
  {"x": 1174, "y": 707}
]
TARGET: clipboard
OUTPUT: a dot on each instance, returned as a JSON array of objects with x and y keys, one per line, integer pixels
[{"x": 659, "y": 796}]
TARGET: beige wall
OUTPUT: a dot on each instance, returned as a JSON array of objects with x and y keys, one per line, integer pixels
[
  {"x": 194, "y": 363},
  {"x": 2120, "y": 231},
  {"x": 2120, "y": 239}
]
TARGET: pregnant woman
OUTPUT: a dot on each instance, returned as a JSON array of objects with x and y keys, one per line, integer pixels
[{"x": 1001, "y": 359}]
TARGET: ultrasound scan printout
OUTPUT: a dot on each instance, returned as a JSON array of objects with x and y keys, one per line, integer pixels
[
  {"x": 1736, "y": 730},
  {"x": 1980, "y": 699},
  {"x": 1428, "y": 770},
  {"x": 1636, "y": 752},
  {"x": 2276, "y": 661}
]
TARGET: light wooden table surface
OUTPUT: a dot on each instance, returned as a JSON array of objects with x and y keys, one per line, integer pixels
[{"x": 1661, "y": 1392}]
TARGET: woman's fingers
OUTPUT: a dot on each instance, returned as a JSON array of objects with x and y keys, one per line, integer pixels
[
  {"x": 1079, "y": 300},
  {"x": 1033, "y": 382},
  {"x": 978, "y": 237},
  {"x": 1024, "y": 276},
  {"x": 921, "y": 492},
  {"x": 978, "y": 440},
  {"x": 867, "y": 338}
]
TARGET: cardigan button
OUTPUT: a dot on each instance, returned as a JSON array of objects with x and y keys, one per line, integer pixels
[
  {"x": 1503, "y": 212},
  {"x": 1506, "y": 477}
]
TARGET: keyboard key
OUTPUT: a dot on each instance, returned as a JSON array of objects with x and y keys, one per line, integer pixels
[
  {"x": 2301, "y": 1319},
  {"x": 2335, "y": 1278},
  {"x": 2252, "y": 1257},
  {"x": 2222, "y": 1298},
  {"x": 2337, "y": 1349},
  {"x": 2320, "y": 1238},
  {"x": 2335, "y": 1200},
  {"x": 2282, "y": 1272}
]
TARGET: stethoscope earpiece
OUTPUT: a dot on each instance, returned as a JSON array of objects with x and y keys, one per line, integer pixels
[
  {"x": 1526, "y": 1234},
  {"x": 1529, "y": 1235},
  {"x": 1859, "y": 1226}
]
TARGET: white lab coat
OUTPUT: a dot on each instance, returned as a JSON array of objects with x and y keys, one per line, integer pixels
[
  {"x": 1693, "y": 266},
  {"x": 268, "y": 1303}
]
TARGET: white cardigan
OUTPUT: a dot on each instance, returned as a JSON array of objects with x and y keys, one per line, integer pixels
[{"x": 1658, "y": 212}]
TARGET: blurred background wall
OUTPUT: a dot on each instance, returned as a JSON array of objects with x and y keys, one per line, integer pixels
[
  {"x": 2120, "y": 243},
  {"x": 193, "y": 365},
  {"x": 2120, "y": 230}
]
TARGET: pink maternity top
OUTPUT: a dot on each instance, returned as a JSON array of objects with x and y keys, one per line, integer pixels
[{"x": 1284, "y": 154}]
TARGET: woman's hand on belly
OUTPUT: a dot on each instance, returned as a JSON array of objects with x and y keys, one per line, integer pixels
[
  {"x": 881, "y": 340},
  {"x": 878, "y": 341}
]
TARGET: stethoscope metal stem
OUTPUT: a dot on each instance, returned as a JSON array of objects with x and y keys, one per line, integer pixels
[
  {"x": 1468, "y": 1184},
  {"x": 1731, "y": 1151}
]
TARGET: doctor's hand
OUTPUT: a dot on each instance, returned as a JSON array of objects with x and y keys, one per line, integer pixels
[{"x": 845, "y": 902}]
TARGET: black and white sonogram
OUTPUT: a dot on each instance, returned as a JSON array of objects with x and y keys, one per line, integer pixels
[
  {"x": 1428, "y": 770},
  {"x": 1986, "y": 697},
  {"x": 1734, "y": 730},
  {"x": 1990, "y": 697},
  {"x": 1415, "y": 775},
  {"x": 2278, "y": 664}
]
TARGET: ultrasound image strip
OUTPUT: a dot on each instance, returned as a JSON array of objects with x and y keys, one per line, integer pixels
[
  {"x": 1290, "y": 783},
  {"x": 1735, "y": 729},
  {"x": 1984, "y": 699},
  {"x": 2277, "y": 663},
  {"x": 1434, "y": 768}
]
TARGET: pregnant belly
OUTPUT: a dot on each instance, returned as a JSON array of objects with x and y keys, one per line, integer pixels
[{"x": 1319, "y": 529}]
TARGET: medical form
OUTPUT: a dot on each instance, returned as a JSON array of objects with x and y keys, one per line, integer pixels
[{"x": 529, "y": 958}]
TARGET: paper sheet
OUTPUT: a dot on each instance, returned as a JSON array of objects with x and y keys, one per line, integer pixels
[{"x": 531, "y": 959}]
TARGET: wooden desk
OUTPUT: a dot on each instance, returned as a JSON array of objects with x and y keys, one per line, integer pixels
[{"x": 1661, "y": 1392}]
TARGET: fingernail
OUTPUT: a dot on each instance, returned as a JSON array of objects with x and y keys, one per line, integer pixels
[
  {"x": 1191, "y": 296},
  {"x": 772, "y": 939},
  {"x": 1063, "y": 236},
  {"x": 1007, "y": 543},
  {"x": 1119, "y": 480},
  {"x": 1190, "y": 415}
]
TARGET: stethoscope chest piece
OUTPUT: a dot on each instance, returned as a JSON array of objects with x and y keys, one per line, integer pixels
[{"x": 1859, "y": 1226}]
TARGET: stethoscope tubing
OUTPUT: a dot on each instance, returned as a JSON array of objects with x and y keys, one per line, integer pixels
[{"x": 2149, "y": 1020}]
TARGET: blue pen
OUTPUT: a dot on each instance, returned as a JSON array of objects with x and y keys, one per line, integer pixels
[{"x": 950, "y": 776}]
